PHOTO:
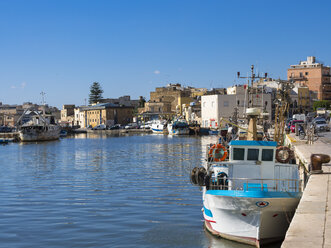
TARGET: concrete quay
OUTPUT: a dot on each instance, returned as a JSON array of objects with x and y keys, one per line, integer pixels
[{"x": 311, "y": 224}]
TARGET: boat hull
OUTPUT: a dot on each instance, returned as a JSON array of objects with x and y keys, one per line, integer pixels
[
  {"x": 251, "y": 220},
  {"x": 179, "y": 131},
  {"x": 39, "y": 135}
]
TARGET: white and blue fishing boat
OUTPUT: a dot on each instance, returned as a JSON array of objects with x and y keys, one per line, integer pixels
[
  {"x": 159, "y": 126},
  {"x": 250, "y": 191},
  {"x": 178, "y": 127}
]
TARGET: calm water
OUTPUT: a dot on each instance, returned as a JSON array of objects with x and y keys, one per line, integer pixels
[{"x": 102, "y": 191}]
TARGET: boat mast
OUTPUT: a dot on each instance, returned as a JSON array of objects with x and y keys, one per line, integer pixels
[
  {"x": 252, "y": 78},
  {"x": 44, "y": 106},
  {"x": 251, "y": 113}
]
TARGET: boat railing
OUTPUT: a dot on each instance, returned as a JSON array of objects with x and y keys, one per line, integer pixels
[{"x": 250, "y": 184}]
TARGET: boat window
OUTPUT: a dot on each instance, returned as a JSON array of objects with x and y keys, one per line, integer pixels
[
  {"x": 238, "y": 154},
  {"x": 267, "y": 155},
  {"x": 253, "y": 154}
]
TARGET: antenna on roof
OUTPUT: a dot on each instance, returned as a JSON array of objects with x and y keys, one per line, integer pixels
[{"x": 43, "y": 97}]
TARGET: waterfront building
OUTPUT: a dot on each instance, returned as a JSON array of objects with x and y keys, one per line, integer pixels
[
  {"x": 314, "y": 75},
  {"x": 236, "y": 89},
  {"x": 215, "y": 107},
  {"x": 108, "y": 114},
  {"x": 172, "y": 100},
  {"x": 122, "y": 101},
  {"x": 79, "y": 117},
  {"x": 174, "y": 94},
  {"x": 301, "y": 96},
  {"x": 9, "y": 114},
  {"x": 67, "y": 115},
  {"x": 305, "y": 99}
]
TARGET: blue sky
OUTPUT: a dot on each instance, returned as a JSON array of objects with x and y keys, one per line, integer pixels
[{"x": 131, "y": 47}]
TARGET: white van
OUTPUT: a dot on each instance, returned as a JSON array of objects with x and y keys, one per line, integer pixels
[{"x": 300, "y": 117}]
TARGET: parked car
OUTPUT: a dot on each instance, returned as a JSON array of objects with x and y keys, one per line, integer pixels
[
  {"x": 115, "y": 127},
  {"x": 131, "y": 126},
  {"x": 100, "y": 127},
  {"x": 5, "y": 129},
  {"x": 145, "y": 126},
  {"x": 293, "y": 124},
  {"x": 321, "y": 125}
]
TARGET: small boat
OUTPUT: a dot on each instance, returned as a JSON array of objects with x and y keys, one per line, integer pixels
[
  {"x": 213, "y": 132},
  {"x": 250, "y": 190},
  {"x": 63, "y": 133},
  {"x": 178, "y": 127},
  {"x": 4, "y": 141},
  {"x": 159, "y": 126}
]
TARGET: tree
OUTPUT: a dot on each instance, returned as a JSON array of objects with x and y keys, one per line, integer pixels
[
  {"x": 95, "y": 93},
  {"x": 321, "y": 104},
  {"x": 142, "y": 101}
]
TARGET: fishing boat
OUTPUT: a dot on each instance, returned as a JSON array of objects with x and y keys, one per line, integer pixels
[
  {"x": 159, "y": 126},
  {"x": 178, "y": 127},
  {"x": 37, "y": 127},
  {"x": 250, "y": 190}
]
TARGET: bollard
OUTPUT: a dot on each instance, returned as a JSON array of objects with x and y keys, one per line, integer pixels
[{"x": 316, "y": 161}]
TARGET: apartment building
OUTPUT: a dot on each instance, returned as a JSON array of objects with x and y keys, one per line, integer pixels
[{"x": 314, "y": 75}]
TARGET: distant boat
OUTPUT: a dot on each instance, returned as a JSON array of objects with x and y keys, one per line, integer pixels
[
  {"x": 159, "y": 126},
  {"x": 38, "y": 128},
  {"x": 213, "y": 132},
  {"x": 63, "y": 133},
  {"x": 178, "y": 127}
]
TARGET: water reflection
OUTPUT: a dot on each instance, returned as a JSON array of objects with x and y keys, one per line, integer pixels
[{"x": 101, "y": 191}]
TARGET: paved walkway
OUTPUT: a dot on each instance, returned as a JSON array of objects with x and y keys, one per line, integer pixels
[{"x": 311, "y": 225}]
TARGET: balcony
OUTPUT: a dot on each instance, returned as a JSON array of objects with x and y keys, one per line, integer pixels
[{"x": 298, "y": 78}]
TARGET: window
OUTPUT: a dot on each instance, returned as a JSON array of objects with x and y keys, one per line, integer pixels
[
  {"x": 212, "y": 104},
  {"x": 253, "y": 154},
  {"x": 267, "y": 155},
  {"x": 306, "y": 73},
  {"x": 301, "y": 74},
  {"x": 238, "y": 153},
  {"x": 226, "y": 104}
]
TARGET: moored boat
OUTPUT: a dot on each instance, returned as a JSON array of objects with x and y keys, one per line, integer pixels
[
  {"x": 178, "y": 127},
  {"x": 250, "y": 190},
  {"x": 159, "y": 126},
  {"x": 39, "y": 132},
  {"x": 38, "y": 128}
]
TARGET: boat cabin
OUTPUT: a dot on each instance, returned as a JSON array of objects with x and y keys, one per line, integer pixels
[{"x": 251, "y": 150}]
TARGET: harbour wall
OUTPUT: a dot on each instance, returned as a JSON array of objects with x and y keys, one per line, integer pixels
[{"x": 311, "y": 224}]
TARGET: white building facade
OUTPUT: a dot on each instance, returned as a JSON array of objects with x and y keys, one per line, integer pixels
[
  {"x": 80, "y": 119},
  {"x": 215, "y": 107}
]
